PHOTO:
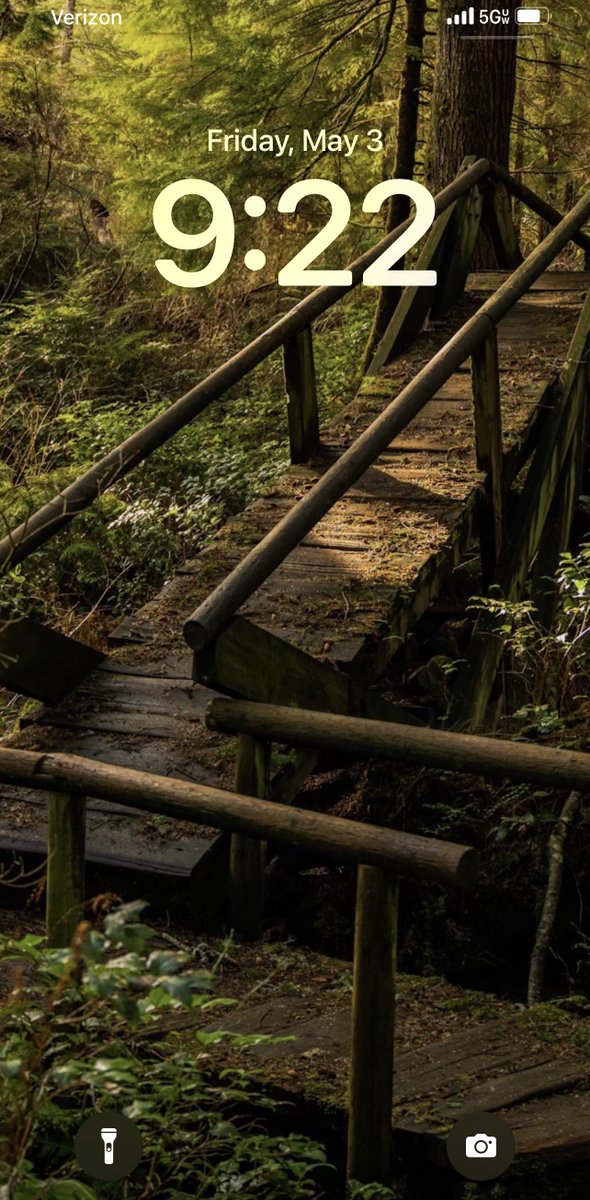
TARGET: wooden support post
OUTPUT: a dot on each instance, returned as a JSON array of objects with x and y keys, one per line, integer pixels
[
  {"x": 554, "y": 540},
  {"x": 248, "y": 855},
  {"x": 415, "y": 302},
  {"x": 371, "y": 1077},
  {"x": 302, "y": 409},
  {"x": 66, "y": 844},
  {"x": 498, "y": 222},
  {"x": 485, "y": 377},
  {"x": 459, "y": 249}
]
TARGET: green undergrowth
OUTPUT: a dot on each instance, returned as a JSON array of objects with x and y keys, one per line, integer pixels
[
  {"x": 81, "y": 1033},
  {"x": 80, "y": 371}
]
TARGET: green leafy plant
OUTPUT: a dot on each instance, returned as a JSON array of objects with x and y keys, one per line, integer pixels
[{"x": 83, "y": 1029}]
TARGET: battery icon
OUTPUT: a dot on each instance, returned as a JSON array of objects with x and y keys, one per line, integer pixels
[{"x": 529, "y": 16}]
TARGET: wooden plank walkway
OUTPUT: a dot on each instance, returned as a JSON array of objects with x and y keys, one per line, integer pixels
[
  {"x": 346, "y": 597},
  {"x": 532, "y": 1067}
]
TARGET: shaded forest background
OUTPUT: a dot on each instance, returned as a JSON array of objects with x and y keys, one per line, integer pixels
[{"x": 93, "y": 125}]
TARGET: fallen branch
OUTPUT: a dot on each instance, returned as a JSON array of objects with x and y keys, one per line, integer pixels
[{"x": 552, "y": 896}]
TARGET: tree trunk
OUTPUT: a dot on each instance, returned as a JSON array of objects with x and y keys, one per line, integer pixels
[
  {"x": 550, "y": 87},
  {"x": 552, "y": 896},
  {"x": 473, "y": 96},
  {"x": 518, "y": 207},
  {"x": 405, "y": 152},
  {"x": 67, "y": 35}
]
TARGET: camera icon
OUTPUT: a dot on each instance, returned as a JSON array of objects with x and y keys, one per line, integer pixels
[{"x": 481, "y": 1145}]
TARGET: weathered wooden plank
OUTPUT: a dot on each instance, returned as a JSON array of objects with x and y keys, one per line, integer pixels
[
  {"x": 549, "y": 281},
  {"x": 40, "y": 662},
  {"x": 554, "y": 540},
  {"x": 247, "y": 660}
]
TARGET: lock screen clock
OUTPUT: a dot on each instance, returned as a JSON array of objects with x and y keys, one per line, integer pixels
[{"x": 220, "y": 233}]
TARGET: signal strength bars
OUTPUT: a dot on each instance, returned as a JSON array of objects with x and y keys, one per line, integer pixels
[{"x": 467, "y": 17}]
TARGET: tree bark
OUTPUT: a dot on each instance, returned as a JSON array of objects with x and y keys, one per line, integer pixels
[
  {"x": 552, "y": 896},
  {"x": 473, "y": 96},
  {"x": 550, "y": 87},
  {"x": 405, "y": 152},
  {"x": 67, "y": 35}
]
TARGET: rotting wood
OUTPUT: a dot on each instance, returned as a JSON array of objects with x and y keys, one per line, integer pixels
[
  {"x": 66, "y": 840},
  {"x": 289, "y": 675},
  {"x": 373, "y": 1017},
  {"x": 335, "y": 837},
  {"x": 302, "y": 406},
  {"x": 247, "y": 858},
  {"x": 488, "y": 756}
]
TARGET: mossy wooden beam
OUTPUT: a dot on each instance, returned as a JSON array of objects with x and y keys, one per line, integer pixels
[
  {"x": 66, "y": 849},
  {"x": 373, "y": 1016},
  {"x": 302, "y": 406},
  {"x": 554, "y": 540},
  {"x": 537, "y": 205}
]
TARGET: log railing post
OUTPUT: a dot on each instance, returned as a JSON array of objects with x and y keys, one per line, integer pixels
[
  {"x": 66, "y": 845},
  {"x": 371, "y": 1071},
  {"x": 248, "y": 855},
  {"x": 300, "y": 384},
  {"x": 485, "y": 375}
]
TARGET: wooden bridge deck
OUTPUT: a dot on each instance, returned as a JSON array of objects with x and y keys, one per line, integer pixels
[
  {"x": 346, "y": 597},
  {"x": 456, "y": 1053}
]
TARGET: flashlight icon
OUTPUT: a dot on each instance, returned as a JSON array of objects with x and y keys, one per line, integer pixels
[{"x": 108, "y": 1136}]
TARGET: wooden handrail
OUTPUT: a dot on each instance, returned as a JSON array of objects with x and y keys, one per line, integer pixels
[
  {"x": 347, "y": 841},
  {"x": 537, "y": 205},
  {"x": 214, "y": 613},
  {"x": 493, "y": 757},
  {"x": 40, "y": 526},
  {"x": 380, "y": 854}
]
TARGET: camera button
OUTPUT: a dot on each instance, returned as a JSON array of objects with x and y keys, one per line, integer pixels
[{"x": 481, "y": 1146}]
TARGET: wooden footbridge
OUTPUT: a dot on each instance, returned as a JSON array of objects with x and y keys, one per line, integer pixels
[{"x": 474, "y": 408}]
